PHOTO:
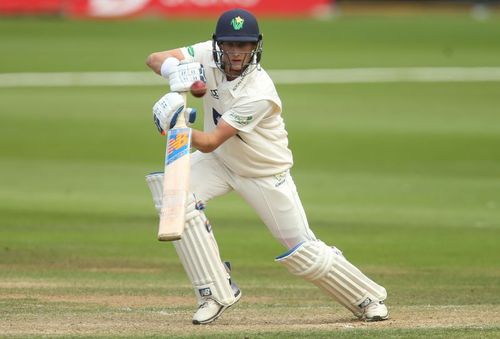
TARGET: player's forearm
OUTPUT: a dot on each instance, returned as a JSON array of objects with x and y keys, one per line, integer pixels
[
  {"x": 204, "y": 142},
  {"x": 209, "y": 141},
  {"x": 155, "y": 60}
]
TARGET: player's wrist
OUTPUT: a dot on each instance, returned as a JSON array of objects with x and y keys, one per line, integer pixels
[{"x": 168, "y": 66}]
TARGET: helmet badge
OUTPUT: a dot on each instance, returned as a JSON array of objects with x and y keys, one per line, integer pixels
[{"x": 237, "y": 23}]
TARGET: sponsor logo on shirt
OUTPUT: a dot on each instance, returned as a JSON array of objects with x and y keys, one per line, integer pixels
[
  {"x": 280, "y": 179},
  {"x": 242, "y": 77},
  {"x": 241, "y": 120}
]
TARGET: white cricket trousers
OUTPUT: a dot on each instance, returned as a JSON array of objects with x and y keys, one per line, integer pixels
[{"x": 274, "y": 198}]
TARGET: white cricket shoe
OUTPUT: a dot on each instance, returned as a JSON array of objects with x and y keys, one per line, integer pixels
[
  {"x": 211, "y": 310},
  {"x": 375, "y": 311}
]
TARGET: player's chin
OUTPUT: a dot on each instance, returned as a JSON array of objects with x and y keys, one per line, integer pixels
[
  {"x": 235, "y": 71},
  {"x": 236, "y": 67}
]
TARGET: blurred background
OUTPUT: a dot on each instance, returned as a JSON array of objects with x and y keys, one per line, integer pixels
[
  {"x": 393, "y": 114},
  {"x": 197, "y": 8}
]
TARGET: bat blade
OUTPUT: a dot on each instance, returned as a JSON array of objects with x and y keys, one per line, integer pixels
[{"x": 175, "y": 184}]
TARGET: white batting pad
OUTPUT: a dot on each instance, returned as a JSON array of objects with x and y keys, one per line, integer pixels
[
  {"x": 155, "y": 184},
  {"x": 199, "y": 255},
  {"x": 327, "y": 268},
  {"x": 197, "y": 250}
]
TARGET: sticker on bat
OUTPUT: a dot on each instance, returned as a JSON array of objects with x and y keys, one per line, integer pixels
[{"x": 178, "y": 144}]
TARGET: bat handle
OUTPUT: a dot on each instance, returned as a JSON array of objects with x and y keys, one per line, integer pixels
[{"x": 181, "y": 120}]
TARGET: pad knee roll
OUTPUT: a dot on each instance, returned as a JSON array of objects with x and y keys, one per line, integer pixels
[
  {"x": 327, "y": 268},
  {"x": 155, "y": 184}
]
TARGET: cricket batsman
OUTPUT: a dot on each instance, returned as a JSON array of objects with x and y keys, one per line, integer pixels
[{"x": 244, "y": 147}]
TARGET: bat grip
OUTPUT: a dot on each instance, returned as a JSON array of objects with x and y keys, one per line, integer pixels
[{"x": 181, "y": 119}]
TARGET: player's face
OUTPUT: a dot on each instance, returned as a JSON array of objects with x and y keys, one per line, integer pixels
[{"x": 236, "y": 56}]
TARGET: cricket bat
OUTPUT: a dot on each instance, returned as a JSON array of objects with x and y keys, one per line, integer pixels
[{"x": 175, "y": 180}]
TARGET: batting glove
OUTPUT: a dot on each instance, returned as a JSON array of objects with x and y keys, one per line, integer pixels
[
  {"x": 182, "y": 76},
  {"x": 166, "y": 111}
]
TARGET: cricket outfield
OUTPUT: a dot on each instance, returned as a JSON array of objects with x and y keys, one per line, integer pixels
[{"x": 404, "y": 177}]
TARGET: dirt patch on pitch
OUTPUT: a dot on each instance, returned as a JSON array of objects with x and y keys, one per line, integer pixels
[
  {"x": 121, "y": 301},
  {"x": 149, "y": 315}
]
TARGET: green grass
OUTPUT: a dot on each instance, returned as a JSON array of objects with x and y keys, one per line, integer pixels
[
  {"x": 55, "y": 44},
  {"x": 405, "y": 178}
]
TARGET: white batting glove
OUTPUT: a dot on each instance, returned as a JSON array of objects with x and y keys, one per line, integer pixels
[
  {"x": 182, "y": 76},
  {"x": 167, "y": 110}
]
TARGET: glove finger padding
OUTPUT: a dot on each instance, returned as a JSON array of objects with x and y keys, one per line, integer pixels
[
  {"x": 158, "y": 124},
  {"x": 174, "y": 118},
  {"x": 166, "y": 110},
  {"x": 182, "y": 76}
]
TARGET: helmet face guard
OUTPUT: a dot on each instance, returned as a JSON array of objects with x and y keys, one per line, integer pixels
[
  {"x": 237, "y": 25},
  {"x": 249, "y": 63}
]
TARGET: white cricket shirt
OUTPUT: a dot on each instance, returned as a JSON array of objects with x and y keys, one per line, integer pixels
[{"x": 252, "y": 106}]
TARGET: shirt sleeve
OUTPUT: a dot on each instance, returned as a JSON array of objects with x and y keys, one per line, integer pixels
[
  {"x": 196, "y": 52},
  {"x": 246, "y": 116}
]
